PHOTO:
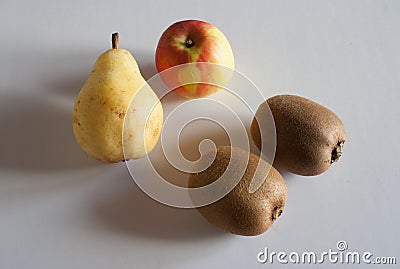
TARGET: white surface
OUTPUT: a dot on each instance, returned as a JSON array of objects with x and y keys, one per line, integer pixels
[{"x": 60, "y": 209}]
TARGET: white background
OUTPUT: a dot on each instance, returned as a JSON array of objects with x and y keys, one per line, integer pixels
[{"x": 61, "y": 209}]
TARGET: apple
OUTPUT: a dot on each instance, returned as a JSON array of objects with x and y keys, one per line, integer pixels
[{"x": 201, "y": 54}]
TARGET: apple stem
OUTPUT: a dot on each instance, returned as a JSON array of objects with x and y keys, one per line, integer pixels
[
  {"x": 189, "y": 43},
  {"x": 115, "y": 40}
]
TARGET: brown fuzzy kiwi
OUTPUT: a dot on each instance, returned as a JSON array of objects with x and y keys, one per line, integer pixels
[
  {"x": 241, "y": 212},
  {"x": 309, "y": 136}
]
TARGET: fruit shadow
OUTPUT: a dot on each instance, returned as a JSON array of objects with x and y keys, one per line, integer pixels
[
  {"x": 130, "y": 211},
  {"x": 36, "y": 130},
  {"x": 146, "y": 63},
  {"x": 65, "y": 80},
  {"x": 285, "y": 174},
  {"x": 289, "y": 177},
  {"x": 37, "y": 137}
]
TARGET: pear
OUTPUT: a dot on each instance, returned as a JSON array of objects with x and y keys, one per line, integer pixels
[{"x": 117, "y": 116}]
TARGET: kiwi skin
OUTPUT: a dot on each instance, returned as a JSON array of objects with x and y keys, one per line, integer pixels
[
  {"x": 310, "y": 137},
  {"x": 241, "y": 212}
]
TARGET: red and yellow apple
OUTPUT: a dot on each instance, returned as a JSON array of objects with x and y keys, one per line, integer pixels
[{"x": 201, "y": 55}]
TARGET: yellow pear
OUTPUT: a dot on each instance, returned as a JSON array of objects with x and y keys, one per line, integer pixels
[{"x": 117, "y": 116}]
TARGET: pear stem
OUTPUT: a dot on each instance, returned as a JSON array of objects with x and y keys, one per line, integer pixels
[{"x": 115, "y": 40}]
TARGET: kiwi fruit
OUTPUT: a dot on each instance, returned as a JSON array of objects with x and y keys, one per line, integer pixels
[
  {"x": 240, "y": 211},
  {"x": 309, "y": 136}
]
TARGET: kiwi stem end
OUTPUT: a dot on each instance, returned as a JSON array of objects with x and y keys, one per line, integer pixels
[
  {"x": 337, "y": 152},
  {"x": 276, "y": 212}
]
